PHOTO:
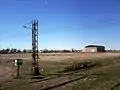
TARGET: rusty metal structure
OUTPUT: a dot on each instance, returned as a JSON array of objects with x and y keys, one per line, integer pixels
[{"x": 35, "y": 56}]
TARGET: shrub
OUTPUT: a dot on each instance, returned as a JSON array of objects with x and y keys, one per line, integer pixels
[{"x": 81, "y": 65}]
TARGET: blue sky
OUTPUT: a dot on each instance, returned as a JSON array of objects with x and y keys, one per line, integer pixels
[{"x": 63, "y": 24}]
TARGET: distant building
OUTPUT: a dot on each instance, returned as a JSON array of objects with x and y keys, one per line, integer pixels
[{"x": 94, "y": 48}]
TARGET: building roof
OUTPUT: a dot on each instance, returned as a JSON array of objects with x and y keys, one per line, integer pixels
[{"x": 93, "y": 46}]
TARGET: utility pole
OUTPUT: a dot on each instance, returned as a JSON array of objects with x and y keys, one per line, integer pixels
[{"x": 35, "y": 56}]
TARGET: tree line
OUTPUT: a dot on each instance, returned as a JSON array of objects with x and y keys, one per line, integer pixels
[{"x": 14, "y": 50}]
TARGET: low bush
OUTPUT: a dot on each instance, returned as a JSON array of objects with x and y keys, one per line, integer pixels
[{"x": 81, "y": 65}]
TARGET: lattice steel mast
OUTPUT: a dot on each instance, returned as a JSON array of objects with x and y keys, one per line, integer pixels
[{"x": 35, "y": 55}]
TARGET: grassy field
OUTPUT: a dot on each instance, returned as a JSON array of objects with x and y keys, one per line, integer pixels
[{"x": 63, "y": 71}]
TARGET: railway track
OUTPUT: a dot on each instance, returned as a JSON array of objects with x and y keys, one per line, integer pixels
[
  {"x": 60, "y": 76},
  {"x": 62, "y": 83},
  {"x": 53, "y": 77},
  {"x": 65, "y": 82}
]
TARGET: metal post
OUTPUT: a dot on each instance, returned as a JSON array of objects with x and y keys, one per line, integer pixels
[{"x": 18, "y": 69}]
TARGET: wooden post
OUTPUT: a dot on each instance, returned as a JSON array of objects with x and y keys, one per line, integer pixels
[{"x": 18, "y": 68}]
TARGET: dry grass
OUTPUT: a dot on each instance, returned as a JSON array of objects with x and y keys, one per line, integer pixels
[
  {"x": 52, "y": 63},
  {"x": 60, "y": 56}
]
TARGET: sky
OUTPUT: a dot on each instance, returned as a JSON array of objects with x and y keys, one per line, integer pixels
[{"x": 63, "y": 24}]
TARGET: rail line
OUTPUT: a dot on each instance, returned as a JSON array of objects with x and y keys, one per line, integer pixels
[
  {"x": 115, "y": 86},
  {"x": 69, "y": 81},
  {"x": 59, "y": 75},
  {"x": 64, "y": 83}
]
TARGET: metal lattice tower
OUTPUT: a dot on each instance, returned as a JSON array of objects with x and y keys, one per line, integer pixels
[
  {"x": 35, "y": 66},
  {"x": 35, "y": 56}
]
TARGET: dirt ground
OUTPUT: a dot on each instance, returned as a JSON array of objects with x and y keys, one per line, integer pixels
[
  {"x": 52, "y": 63},
  {"x": 5, "y": 73}
]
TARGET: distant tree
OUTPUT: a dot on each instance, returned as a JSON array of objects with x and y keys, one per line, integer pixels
[
  {"x": 73, "y": 50},
  {"x": 7, "y": 50},
  {"x": 11, "y": 50},
  {"x": 3, "y": 51},
  {"x": 14, "y": 50},
  {"x": 30, "y": 51},
  {"x": 45, "y": 50},
  {"x": 24, "y": 51},
  {"x": 19, "y": 51},
  {"x": 65, "y": 50}
]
